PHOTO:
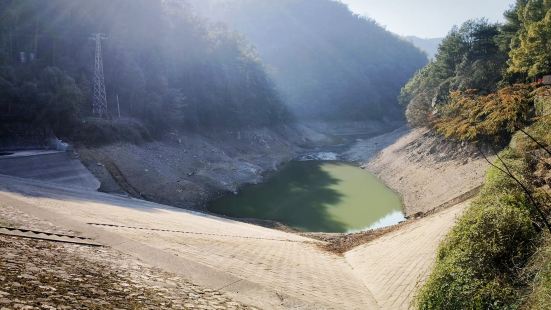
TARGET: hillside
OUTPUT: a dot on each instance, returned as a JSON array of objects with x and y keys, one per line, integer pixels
[
  {"x": 211, "y": 99},
  {"x": 194, "y": 94},
  {"x": 327, "y": 62},
  {"x": 165, "y": 67}
]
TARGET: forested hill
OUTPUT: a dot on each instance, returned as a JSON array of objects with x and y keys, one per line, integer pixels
[
  {"x": 167, "y": 67},
  {"x": 328, "y": 62}
]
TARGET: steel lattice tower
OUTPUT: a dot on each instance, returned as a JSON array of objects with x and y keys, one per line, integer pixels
[{"x": 99, "y": 100}]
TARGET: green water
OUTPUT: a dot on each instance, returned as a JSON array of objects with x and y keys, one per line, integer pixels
[{"x": 317, "y": 196}]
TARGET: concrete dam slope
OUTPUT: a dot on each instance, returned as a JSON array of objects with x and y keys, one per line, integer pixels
[
  {"x": 51, "y": 166},
  {"x": 262, "y": 267}
]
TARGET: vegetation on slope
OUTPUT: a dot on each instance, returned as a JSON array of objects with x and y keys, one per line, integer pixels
[
  {"x": 468, "y": 58},
  {"x": 485, "y": 261},
  {"x": 485, "y": 57},
  {"x": 164, "y": 66},
  {"x": 477, "y": 264},
  {"x": 328, "y": 62},
  {"x": 539, "y": 268},
  {"x": 483, "y": 88}
]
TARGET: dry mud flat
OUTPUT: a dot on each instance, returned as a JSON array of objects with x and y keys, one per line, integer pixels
[{"x": 424, "y": 169}]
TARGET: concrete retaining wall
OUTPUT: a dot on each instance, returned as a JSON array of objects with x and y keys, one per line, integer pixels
[{"x": 57, "y": 167}]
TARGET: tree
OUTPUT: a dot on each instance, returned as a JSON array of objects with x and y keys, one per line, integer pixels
[
  {"x": 530, "y": 55},
  {"x": 168, "y": 68},
  {"x": 468, "y": 58},
  {"x": 489, "y": 119}
]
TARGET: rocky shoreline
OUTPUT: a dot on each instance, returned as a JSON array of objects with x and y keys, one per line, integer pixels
[
  {"x": 191, "y": 170},
  {"x": 188, "y": 170}
]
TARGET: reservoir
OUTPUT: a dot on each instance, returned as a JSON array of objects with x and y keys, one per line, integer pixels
[{"x": 317, "y": 196}]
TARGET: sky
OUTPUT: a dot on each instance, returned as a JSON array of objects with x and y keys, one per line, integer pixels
[{"x": 427, "y": 18}]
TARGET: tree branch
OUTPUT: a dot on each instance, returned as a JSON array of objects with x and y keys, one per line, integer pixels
[
  {"x": 524, "y": 188},
  {"x": 535, "y": 140}
]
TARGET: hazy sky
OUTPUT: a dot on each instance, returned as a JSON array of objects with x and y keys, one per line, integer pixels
[{"x": 427, "y": 18}]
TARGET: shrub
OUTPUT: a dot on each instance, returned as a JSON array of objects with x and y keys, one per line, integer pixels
[
  {"x": 540, "y": 269},
  {"x": 542, "y": 101},
  {"x": 97, "y": 132},
  {"x": 478, "y": 262},
  {"x": 541, "y": 128},
  {"x": 470, "y": 116}
]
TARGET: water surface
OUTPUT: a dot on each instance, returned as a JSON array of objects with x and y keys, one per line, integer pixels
[{"x": 317, "y": 196}]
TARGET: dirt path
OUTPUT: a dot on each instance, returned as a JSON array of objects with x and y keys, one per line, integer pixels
[
  {"x": 393, "y": 266},
  {"x": 251, "y": 264}
]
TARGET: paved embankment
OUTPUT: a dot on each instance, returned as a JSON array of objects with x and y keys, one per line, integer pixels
[
  {"x": 255, "y": 265},
  {"x": 51, "y": 166},
  {"x": 395, "y": 265},
  {"x": 42, "y": 274},
  {"x": 258, "y": 266}
]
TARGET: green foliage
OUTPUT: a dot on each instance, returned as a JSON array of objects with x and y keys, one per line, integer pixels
[
  {"x": 507, "y": 38},
  {"x": 496, "y": 116},
  {"x": 468, "y": 58},
  {"x": 530, "y": 55},
  {"x": 542, "y": 102},
  {"x": 478, "y": 262},
  {"x": 51, "y": 98},
  {"x": 540, "y": 266},
  {"x": 540, "y": 130},
  {"x": 486, "y": 57}
]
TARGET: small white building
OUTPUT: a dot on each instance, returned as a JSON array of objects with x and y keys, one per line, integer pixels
[{"x": 546, "y": 80}]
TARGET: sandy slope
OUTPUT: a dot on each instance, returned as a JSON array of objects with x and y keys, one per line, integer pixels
[{"x": 426, "y": 171}]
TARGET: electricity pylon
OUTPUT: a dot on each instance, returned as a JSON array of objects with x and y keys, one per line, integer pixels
[{"x": 99, "y": 100}]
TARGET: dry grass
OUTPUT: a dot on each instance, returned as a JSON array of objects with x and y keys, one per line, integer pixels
[{"x": 539, "y": 296}]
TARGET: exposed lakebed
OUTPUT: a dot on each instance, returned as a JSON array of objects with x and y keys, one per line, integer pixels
[{"x": 317, "y": 196}]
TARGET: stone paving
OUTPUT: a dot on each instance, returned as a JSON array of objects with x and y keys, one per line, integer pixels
[
  {"x": 381, "y": 274},
  {"x": 395, "y": 265},
  {"x": 38, "y": 274}
]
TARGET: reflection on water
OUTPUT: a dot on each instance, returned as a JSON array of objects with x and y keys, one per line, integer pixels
[
  {"x": 321, "y": 156},
  {"x": 389, "y": 220},
  {"x": 318, "y": 196}
]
